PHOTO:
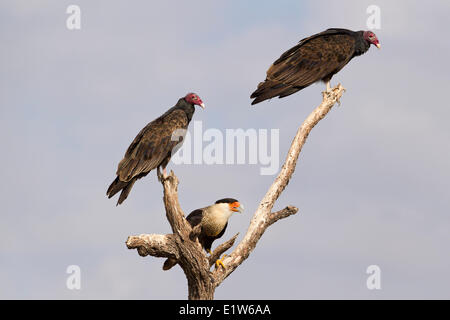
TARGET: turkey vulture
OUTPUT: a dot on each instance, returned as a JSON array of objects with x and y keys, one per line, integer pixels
[
  {"x": 315, "y": 58},
  {"x": 214, "y": 222},
  {"x": 154, "y": 145}
]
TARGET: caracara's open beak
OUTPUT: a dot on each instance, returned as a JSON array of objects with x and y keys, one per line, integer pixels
[
  {"x": 236, "y": 207},
  {"x": 202, "y": 105},
  {"x": 378, "y": 45}
]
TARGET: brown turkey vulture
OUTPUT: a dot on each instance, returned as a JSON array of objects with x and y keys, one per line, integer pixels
[
  {"x": 214, "y": 222},
  {"x": 154, "y": 145},
  {"x": 314, "y": 58}
]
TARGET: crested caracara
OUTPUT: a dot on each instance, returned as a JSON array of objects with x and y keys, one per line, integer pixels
[{"x": 214, "y": 221}]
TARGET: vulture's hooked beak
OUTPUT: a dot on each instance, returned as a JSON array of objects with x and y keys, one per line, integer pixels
[
  {"x": 202, "y": 105},
  {"x": 378, "y": 45}
]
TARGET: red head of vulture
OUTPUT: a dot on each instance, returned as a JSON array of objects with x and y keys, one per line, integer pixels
[{"x": 154, "y": 145}]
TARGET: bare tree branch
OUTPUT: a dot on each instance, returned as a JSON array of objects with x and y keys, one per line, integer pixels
[
  {"x": 195, "y": 232},
  {"x": 284, "y": 213},
  {"x": 183, "y": 245},
  {"x": 174, "y": 213},
  {"x": 156, "y": 245},
  {"x": 221, "y": 249},
  {"x": 261, "y": 219}
]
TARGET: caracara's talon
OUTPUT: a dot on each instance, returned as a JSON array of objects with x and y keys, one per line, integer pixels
[{"x": 219, "y": 262}]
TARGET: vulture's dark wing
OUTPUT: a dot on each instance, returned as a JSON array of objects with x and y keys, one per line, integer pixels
[
  {"x": 152, "y": 145},
  {"x": 312, "y": 59}
]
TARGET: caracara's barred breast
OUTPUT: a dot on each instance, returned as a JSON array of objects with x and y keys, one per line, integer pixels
[{"x": 213, "y": 221}]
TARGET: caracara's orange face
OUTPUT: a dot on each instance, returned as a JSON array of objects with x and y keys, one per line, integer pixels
[{"x": 236, "y": 207}]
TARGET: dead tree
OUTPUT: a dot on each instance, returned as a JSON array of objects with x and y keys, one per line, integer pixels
[{"x": 183, "y": 245}]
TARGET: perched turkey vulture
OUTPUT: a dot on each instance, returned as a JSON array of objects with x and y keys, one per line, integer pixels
[
  {"x": 315, "y": 58},
  {"x": 214, "y": 222},
  {"x": 154, "y": 145}
]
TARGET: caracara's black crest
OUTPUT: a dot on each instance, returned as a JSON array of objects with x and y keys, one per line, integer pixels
[
  {"x": 226, "y": 200},
  {"x": 315, "y": 58}
]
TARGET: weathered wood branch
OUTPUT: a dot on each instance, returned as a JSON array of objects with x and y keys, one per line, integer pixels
[
  {"x": 262, "y": 217},
  {"x": 191, "y": 257},
  {"x": 174, "y": 213},
  {"x": 156, "y": 245},
  {"x": 221, "y": 249},
  {"x": 284, "y": 213},
  {"x": 183, "y": 245}
]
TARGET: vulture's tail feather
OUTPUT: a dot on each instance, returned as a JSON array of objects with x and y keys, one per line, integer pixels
[
  {"x": 267, "y": 90},
  {"x": 117, "y": 186}
]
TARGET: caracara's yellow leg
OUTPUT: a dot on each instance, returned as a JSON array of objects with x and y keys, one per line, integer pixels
[
  {"x": 209, "y": 251},
  {"x": 219, "y": 262}
]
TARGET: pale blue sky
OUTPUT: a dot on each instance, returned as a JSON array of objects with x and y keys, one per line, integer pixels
[{"x": 372, "y": 183}]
